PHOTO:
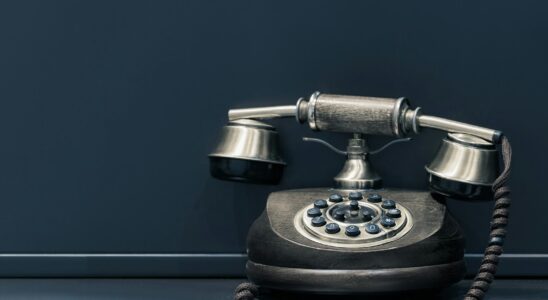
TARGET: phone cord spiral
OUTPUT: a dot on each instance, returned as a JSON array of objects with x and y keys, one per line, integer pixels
[
  {"x": 499, "y": 221},
  {"x": 488, "y": 268},
  {"x": 246, "y": 291}
]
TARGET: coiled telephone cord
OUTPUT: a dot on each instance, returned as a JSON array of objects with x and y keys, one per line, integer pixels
[
  {"x": 488, "y": 268},
  {"x": 246, "y": 291},
  {"x": 499, "y": 221}
]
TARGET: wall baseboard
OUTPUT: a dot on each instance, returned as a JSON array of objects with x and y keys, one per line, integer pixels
[{"x": 196, "y": 265}]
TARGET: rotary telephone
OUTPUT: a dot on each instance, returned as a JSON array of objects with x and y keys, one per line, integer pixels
[{"x": 359, "y": 237}]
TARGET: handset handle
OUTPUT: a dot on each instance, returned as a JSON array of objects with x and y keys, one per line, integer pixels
[{"x": 366, "y": 115}]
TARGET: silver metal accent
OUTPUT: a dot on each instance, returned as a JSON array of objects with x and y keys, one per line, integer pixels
[
  {"x": 396, "y": 141},
  {"x": 357, "y": 172},
  {"x": 367, "y": 115},
  {"x": 401, "y": 105},
  {"x": 467, "y": 159},
  {"x": 415, "y": 122},
  {"x": 454, "y": 126},
  {"x": 312, "y": 110},
  {"x": 303, "y": 225},
  {"x": 268, "y": 112},
  {"x": 341, "y": 152},
  {"x": 249, "y": 140},
  {"x": 300, "y": 102},
  {"x": 328, "y": 145}
]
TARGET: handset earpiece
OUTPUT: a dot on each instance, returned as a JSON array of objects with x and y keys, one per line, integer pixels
[
  {"x": 464, "y": 167},
  {"x": 248, "y": 151}
]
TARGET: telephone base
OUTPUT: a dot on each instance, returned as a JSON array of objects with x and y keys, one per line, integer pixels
[
  {"x": 372, "y": 281},
  {"x": 422, "y": 249}
]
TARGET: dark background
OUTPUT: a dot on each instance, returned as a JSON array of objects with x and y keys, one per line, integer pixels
[{"x": 108, "y": 110}]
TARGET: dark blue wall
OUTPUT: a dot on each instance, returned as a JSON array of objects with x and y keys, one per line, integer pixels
[{"x": 108, "y": 110}]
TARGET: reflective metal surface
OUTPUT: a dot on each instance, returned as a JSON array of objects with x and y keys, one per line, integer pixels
[
  {"x": 268, "y": 112},
  {"x": 367, "y": 115},
  {"x": 249, "y": 140},
  {"x": 463, "y": 163},
  {"x": 465, "y": 158},
  {"x": 326, "y": 144},
  {"x": 247, "y": 152},
  {"x": 454, "y": 126},
  {"x": 358, "y": 173}
]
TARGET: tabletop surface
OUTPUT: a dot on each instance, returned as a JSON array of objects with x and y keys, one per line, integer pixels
[{"x": 218, "y": 289}]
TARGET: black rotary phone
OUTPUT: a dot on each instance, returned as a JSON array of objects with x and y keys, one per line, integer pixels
[{"x": 359, "y": 237}]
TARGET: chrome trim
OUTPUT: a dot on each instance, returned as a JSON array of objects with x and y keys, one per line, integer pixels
[
  {"x": 455, "y": 126},
  {"x": 268, "y": 112},
  {"x": 311, "y": 110}
]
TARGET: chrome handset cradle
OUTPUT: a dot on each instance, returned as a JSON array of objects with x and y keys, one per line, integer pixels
[
  {"x": 248, "y": 149},
  {"x": 357, "y": 172}
]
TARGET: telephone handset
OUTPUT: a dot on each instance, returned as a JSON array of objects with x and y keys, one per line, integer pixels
[{"x": 359, "y": 237}]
